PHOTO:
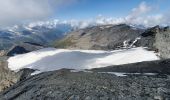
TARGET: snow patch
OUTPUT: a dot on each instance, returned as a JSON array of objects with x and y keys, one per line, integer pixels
[
  {"x": 121, "y": 74},
  {"x": 80, "y": 70},
  {"x": 138, "y": 38},
  {"x": 115, "y": 73},
  {"x": 50, "y": 59},
  {"x": 36, "y": 72},
  {"x": 127, "y": 45}
]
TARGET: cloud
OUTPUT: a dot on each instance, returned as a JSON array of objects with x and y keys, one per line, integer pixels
[
  {"x": 143, "y": 15},
  {"x": 18, "y": 11},
  {"x": 142, "y": 9},
  {"x": 140, "y": 15}
]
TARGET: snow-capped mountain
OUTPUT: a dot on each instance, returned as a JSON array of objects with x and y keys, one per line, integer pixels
[{"x": 34, "y": 32}]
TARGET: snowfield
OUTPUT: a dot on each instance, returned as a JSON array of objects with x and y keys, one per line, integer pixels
[{"x": 50, "y": 59}]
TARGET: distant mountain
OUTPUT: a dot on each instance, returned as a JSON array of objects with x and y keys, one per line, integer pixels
[
  {"x": 35, "y": 33},
  {"x": 105, "y": 37},
  {"x": 44, "y": 32}
]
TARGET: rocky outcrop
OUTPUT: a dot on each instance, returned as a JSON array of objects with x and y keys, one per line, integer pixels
[
  {"x": 7, "y": 77},
  {"x": 148, "y": 38},
  {"x": 158, "y": 39},
  {"x": 163, "y": 42},
  {"x": 23, "y": 48},
  {"x": 24, "y": 73}
]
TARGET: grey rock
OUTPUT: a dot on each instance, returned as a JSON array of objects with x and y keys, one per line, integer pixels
[
  {"x": 159, "y": 66},
  {"x": 7, "y": 77},
  {"x": 163, "y": 42},
  {"x": 66, "y": 85},
  {"x": 105, "y": 37}
]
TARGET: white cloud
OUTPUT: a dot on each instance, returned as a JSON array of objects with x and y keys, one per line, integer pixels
[
  {"x": 17, "y": 11},
  {"x": 142, "y": 15},
  {"x": 142, "y": 9}
]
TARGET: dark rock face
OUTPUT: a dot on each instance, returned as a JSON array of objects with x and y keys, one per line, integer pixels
[
  {"x": 66, "y": 85},
  {"x": 24, "y": 48},
  {"x": 157, "y": 38},
  {"x": 148, "y": 38},
  {"x": 17, "y": 50}
]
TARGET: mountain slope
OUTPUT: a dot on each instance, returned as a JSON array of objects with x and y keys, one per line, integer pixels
[
  {"x": 41, "y": 34},
  {"x": 111, "y": 37},
  {"x": 101, "y": 37},
  {"x": 22, "y": 48},
  {"x": 66, "y": 85}
]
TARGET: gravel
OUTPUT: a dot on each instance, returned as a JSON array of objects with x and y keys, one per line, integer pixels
[{"x": 66, "y": 85}]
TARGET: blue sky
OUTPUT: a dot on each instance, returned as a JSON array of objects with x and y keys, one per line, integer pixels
[
  {"x": 85, "y": 9},
  {"x": 147, "y": 12}
]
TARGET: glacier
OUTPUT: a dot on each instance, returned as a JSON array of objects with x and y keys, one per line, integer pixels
[{"x": 49, "y": 59}]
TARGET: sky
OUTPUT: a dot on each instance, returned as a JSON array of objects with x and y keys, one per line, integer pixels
[
  {"x": 147, "y": 12},
  {"x": 85, "y": 9}
]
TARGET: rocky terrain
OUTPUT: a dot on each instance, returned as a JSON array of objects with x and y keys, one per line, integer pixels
[
  {"x": 21, "y": 48},
  {"x": 66, "y": 85},
  {"x": 140, "y": 81},
  {"x": 111, "y": 37},
  {"x": 162, "y": 42},
  {"x": 105, "y": 37},
  {"x": 7, "y": 77}
]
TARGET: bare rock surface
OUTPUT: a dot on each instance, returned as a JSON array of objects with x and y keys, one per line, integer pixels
[
  {"x": 7, "y": 77},
  {"x": 66, "y": 85}
]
